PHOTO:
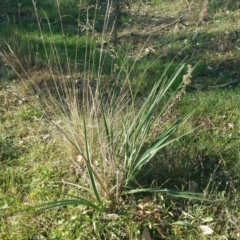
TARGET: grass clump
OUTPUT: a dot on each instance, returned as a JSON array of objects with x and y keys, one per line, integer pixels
[{"x": 103, "y": 125}]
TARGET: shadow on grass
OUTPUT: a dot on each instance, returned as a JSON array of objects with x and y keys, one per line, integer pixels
[
  {"x": 189, "y": 172},
  {"x": 8, "y": 148},
  {"x": 21, "y": 34}
]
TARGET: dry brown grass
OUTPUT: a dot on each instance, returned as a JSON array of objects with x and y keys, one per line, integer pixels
[{"x": 204, "y": 12}]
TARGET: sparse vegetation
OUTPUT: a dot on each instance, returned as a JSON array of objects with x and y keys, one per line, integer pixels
[{"x": 119, "y": 121}]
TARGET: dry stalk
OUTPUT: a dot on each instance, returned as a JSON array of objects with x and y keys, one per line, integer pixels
[
  {"x": 186, "y": 80},
  {"x": 203, "y": 14}
]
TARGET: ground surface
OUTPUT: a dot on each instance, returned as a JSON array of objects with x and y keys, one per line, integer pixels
[{"x": 35, "y": 167}]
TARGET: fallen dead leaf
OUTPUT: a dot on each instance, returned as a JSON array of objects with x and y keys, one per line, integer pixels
[{"x": 206, "y": 230}]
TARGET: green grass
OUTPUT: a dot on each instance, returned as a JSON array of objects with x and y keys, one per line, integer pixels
[{"x": 39, "y": 166}]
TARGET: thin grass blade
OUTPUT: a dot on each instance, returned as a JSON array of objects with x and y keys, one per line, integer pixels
[
  {"x": 162, "y": 141},
  {"x": 171, "y": 192},
  {"x": 89, "y": 167},
  {"x": 70, "y": 202}
]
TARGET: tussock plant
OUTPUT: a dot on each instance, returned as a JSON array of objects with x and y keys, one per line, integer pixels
[{"x": 108, "y": 129}]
